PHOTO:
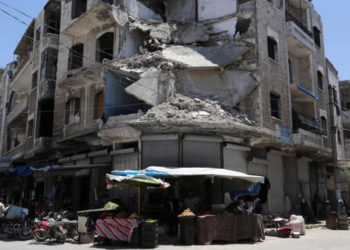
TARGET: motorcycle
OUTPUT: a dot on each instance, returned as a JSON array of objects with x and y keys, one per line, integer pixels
[
  {"x": 17, "y": 227},
  {"x": 50, "y": 230},
  {"x": 71, "y": 228}
]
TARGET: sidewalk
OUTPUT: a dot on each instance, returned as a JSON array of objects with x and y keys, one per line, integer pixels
[{"x": 319, "y": 224}]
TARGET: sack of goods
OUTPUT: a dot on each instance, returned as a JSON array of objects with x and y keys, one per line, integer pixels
[{"x": 298, "y": 224}]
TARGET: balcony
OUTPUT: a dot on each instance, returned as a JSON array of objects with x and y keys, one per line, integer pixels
[
  {"x": 307, "y": 123},
  {"x": 19, "y": 111},
  {"x": 300, "y": 39},
  {"x": 82, "y": 76},
  {"x": 50, "y": 40},
  {"x": 93, "y": 18},
  {"x": 302, "y": 95},
  {"x": 42, "y": 145},
  {"x": 15, "y": 153},
  {"x": 47, "y": 89},
  {"x": 22, "y": 75},
  {"x": 308, "y": 141}
]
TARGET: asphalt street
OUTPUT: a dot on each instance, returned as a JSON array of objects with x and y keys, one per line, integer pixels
[{"x": 314, "y": 239}]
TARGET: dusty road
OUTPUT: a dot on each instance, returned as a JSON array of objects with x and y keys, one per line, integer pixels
[{"x": 315, "y": 239}]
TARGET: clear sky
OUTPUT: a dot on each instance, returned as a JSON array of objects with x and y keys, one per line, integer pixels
[{"x": 336, "y": 32}]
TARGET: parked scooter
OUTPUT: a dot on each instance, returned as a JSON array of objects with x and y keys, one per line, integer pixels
[
  {"x": 17, "y": 227},
  {"x": 50, "y": 229}
]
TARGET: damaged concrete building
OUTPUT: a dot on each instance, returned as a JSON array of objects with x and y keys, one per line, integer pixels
[{"x": 234, "y": 84}]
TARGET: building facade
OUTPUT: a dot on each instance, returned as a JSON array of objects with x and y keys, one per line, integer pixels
[{"x": 101, "y": 85}]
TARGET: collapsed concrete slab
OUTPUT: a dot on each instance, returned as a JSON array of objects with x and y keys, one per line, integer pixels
[
  {"x": 228, "y": 87},
  {"x": 183, "y": 114},
  {"x": 154, "y": 87},
  {"x": 197, "y": 57}
]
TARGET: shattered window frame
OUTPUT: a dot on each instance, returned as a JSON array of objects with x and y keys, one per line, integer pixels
[
  {"x": 324, "y": 126},
  {"x": 320, "y": 80},
  {"x": 76, "y": 56},
  {"x": 275, "y": 101},
  {"x": 79, "y": 7},
  {"x": 272, "y": 48},
  {"x": 73, "y": 114},
  {"x": 30, "y": 128},
  {"x": 317, "y": 36}
]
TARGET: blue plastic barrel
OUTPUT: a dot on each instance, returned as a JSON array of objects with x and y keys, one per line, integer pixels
[{"x": 16, "y": 212}]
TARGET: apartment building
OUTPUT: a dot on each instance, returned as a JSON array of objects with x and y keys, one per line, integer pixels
[{"x": 236, "y": 84}]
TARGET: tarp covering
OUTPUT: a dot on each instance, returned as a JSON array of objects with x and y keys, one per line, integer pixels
[
  {"x": 178, "y": 172},
  {"x": 135, "y": 180},
  {"x": 28, "y": 169},
  {"x": 55, "y": 167},
  {"x": 252, "y": 191},
  {"x": 308, "y": 92}
]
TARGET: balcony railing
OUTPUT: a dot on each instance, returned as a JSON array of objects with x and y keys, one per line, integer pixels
[
  {"x": 291, "y": 17},
  {"x": 307, "y": 123}
]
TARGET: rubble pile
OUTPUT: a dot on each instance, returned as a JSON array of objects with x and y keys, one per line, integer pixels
[
  {"x": 181, "y": 107},
  {"x": 182, "y": 113}
]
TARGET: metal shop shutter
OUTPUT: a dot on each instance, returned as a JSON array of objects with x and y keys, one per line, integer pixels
[
  {"x": 275, "y": 175},
  {"x": 257, "y": 168},
  {"x": 304, "y": 178},
  {"x": 202, "y": 151},
  {"x": 160, "y": 150},
  {"x": 235, "y": 158},
  {"x": 291, "y": 180},
  {"x": 125, "y": 161}
]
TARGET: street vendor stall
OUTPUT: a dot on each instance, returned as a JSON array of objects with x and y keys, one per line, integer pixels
[{"x": 226, "y": 227}]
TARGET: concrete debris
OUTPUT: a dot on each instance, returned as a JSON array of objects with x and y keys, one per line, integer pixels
[
  {"x": 120, "y": 16},
  {"x": 186, "y": 114},
  {"x": 205, "y": 57},
  {"x": 166, "y": 33},
  {"x": 154, "y": 87},
  {"x": 138, "y": 10}
]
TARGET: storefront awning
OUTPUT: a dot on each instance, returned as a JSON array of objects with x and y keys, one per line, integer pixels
[
  {"x": 180, "y": 172},
  {"x": 134, "y": 180},
  {"x": 70, "y": 167},
  {"x": 28, "y": 170}
]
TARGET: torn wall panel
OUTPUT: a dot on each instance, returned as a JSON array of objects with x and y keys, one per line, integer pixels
[
  {"x": 139, "y": 10},
  {"x": 228, "y": 87},
  {"x": 227, "y": 26},
  {"x": 180, "y": 10},
  {"x": 205, "y": 57},
  {"x": 209, "y": 9},
  {"x": 153, "y": 88}
]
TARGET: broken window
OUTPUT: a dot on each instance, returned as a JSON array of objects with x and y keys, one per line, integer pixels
[
  {"x": 348, "y": 105},
  {"x": 30, "y": 128},
  {"x": 48, "y": 64},
  {"x": 320, "y": 80},
  {"x": 37, "y": 35},
  {"x": 76, "y": 54},
  {"x": 272, "y": 48},
  {"x": 35, "y": 79},
  {"x": 104, "y": 47},
  {"x": 78, "y": 8},
  {"x": 317, "y": 36},
  {"x": 99, "y": 105},
  {"x": 324, "y": 125},
  {"x": 290, "y": 66},
  {"x": 275, "y": 102},
  {"x": 73, "y": 111},
  {"x": 45, "y": 118},
  {"x": 339, "y": 137},
  {"x": 52, "y": 21}
]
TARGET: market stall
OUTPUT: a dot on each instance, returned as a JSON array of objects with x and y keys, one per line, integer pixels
[{"x": 228, "y": 227}]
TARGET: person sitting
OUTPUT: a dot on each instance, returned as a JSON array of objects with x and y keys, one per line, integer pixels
[
  {"x": 257, "y": 205},
  {"x": 249, "y": 207},
  {"x": 238, "y": 207}
]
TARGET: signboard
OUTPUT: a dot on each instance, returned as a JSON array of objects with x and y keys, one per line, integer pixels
[{"x": 284, "y": 134}]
